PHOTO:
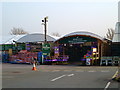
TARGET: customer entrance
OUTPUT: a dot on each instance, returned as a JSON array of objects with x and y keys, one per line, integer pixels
[{"x": 76, "y": 52}]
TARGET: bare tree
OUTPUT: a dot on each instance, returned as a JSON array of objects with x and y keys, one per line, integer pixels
[
  {"x": 17, "y": 31},
  {"x": 110, "y": 33},
  {"x": 56, "y": 34}
]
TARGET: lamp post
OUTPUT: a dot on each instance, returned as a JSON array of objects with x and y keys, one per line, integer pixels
[{"x": 44, "y": 22}]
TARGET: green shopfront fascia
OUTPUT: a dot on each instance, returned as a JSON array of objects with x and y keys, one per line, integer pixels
[{"x": 77, "y": 39}]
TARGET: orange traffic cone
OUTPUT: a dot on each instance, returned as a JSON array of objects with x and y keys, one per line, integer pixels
[{"x": 34, "y": 67}]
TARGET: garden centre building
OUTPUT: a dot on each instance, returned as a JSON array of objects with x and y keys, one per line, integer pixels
[{"x": 82, "y": 48}]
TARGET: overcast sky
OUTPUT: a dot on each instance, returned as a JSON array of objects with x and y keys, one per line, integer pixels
[{"x": 64, "y": 16}]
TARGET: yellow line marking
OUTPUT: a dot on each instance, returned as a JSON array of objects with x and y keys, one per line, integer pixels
[{"x": 115, "y": 74}]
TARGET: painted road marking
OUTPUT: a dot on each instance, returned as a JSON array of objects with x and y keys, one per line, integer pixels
[
  {"x": 70, "y": 75},
  {"x": 108, "y": 84},
  {"x": 58, "y": 78},
  {"x": 91, "y": 71},
  {"x": 105, "y": 71},
  {"x": 115, "y": 74}
]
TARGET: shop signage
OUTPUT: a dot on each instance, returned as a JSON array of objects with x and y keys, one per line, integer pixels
[
  {"x": 88, "y": 61},
  {"x": 46, "y": 49},
  {"x": 94, "y": 50},
  {"x": 77, "y": 39},
  {"x": 56, "y": 51}
]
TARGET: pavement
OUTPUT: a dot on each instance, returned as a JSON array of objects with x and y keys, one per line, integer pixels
[{"x": 58, "y": 76}]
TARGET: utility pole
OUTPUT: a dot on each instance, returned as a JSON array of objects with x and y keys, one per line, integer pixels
[{"x": 44, "y": 22}]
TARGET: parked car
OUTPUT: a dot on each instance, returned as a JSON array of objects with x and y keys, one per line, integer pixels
[
  {"x": 116, "y": 63},
  {"x": 103, "y": 63},
  {"x": 109, "y": 62}
]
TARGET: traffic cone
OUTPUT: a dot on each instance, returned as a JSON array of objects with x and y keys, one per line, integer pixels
[{"x": 34, "y": 67}]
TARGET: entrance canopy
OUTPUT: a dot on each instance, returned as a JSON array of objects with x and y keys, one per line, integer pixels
[{"x": 79, "y": 37}]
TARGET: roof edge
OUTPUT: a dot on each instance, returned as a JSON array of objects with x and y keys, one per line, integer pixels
[{"x": 82, "y": 33}]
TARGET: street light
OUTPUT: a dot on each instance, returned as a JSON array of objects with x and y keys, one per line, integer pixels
[{"x": 44, "y": 22}]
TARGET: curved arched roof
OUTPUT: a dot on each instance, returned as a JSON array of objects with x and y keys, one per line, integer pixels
[
  {"x": 13, "y": 38},
  {"x": 36, "y": 37},
  {"x": 83, "y": 33}
]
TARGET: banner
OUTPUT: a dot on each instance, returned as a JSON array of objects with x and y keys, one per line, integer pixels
[{"x": 46, "y": 49}]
